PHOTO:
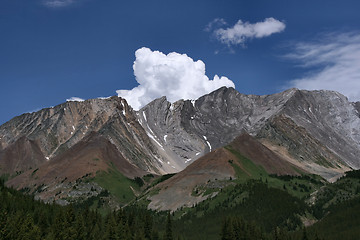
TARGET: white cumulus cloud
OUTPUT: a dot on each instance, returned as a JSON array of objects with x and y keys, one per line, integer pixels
[
  {"x": 174, "y": 75},
  {"x": 336, "y": 60},
  {"x": 242, "y": 31},
  {"x": 75, "y": 99}
]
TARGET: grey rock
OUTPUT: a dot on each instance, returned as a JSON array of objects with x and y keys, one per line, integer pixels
[
  {"x": 165, "y": 137},
  {"x": 330, "y": 118}
]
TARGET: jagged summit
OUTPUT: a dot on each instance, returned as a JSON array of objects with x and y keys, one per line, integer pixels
[{"x": 317, "y": 131}]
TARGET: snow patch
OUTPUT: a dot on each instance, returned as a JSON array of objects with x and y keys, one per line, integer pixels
[
  {"x": 165, "y": 138},
  {"x": 197, "y": 154},
  {"x": 47, "y": 158},
  {"x": 73, "y": 127},
  {"x": 123, "y": 111},
  {"x": 188, "y": 160},
  {"x": 193, "y": 103},
  {"x": 171, "y": 107},
  {"x": 144, "y": 116},
  {"x": 71, "y": 133},
  {"x": 168, "y": 162},
  {"x": 208, "y": 145},
  {"x": 153, "y": 138},
  {"x": 207, "y": 142},
  {"x": 150, "y": 130},
  {"x": 159, "y": 159}
]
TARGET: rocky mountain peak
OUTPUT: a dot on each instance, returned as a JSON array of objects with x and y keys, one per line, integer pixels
[
  {"x": 329, "y": 117},
  {"x": 357, "y": 107},
  {"x": 165, "y": 137},
  {"x": 66, "y": 123}
]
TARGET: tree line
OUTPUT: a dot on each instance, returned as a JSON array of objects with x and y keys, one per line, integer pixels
[{"x": 22, "y": 217}]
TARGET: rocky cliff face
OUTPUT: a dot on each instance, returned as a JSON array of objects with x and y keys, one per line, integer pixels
[
  {"x": 317, "y": 130},
  {"x": 186, "y": 130},
  {"x": 56, "y": 130}
]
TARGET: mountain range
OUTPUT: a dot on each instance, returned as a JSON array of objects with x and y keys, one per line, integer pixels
[{"x": 75, "y": 150}]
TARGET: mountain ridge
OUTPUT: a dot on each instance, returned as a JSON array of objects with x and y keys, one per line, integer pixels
[{"x": 316, "y": 131}]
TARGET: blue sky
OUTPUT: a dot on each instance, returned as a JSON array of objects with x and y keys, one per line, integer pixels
[{"x": 52, "y": 50}]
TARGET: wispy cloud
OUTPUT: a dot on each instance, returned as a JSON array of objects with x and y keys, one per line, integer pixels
[
  {"x": 336, "y": 60},
  {"x": 215, "y": 24},
  {"x": 58, "y": 3},
  {"x": 243, "y": 31}
]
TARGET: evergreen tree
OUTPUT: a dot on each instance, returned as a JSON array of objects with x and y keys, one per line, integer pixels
[
  {"x": 69, "y": 230},
  {"x": 111, "y": 230},
  {"x": 147, "y": 226},
  {"x": 304, "y": 236},
  {"x": 155, "y": 235},
  {"x": 3, "y": 224},
  {"x": 28, "y": 230},
  {"x": 168, "y": 230},
  {"x": 96, "y": 232},
  {"x": 227, "y": 230},
  {"x": 80, "y": 228}
]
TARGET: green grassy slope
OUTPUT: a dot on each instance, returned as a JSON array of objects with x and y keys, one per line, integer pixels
[
  {"x": 298, "y": 186},
  {"x": 117, "y": 184}
]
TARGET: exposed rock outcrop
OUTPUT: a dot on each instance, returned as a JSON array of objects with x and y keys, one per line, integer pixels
[{"x": 318, "y": 131}]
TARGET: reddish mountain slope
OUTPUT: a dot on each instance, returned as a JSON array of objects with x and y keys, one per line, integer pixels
[
  {"x": 179, "y": 190},
  {"x": 91, "y": 155},
  {"x": 263, "y": 156},
  {"x": 187, "y": 187},
  {"x": 21, "y": 156}
]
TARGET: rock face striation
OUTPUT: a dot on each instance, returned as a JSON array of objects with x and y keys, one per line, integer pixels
[
  {"x": 317, "y": 131},
  {"x": 186, "y": 130},
  {"x": 53, "y": 131}
]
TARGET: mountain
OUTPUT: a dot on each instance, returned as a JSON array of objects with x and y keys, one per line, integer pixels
[
  {"x": 326, "y": 119},
  {"x": 22, "y": 154},
  {"x": 55, "y": 130},
  {"x": 58, "y": 177},
  {"x": 314, "y": 132},
  {"x": 243, "y": 158}
]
